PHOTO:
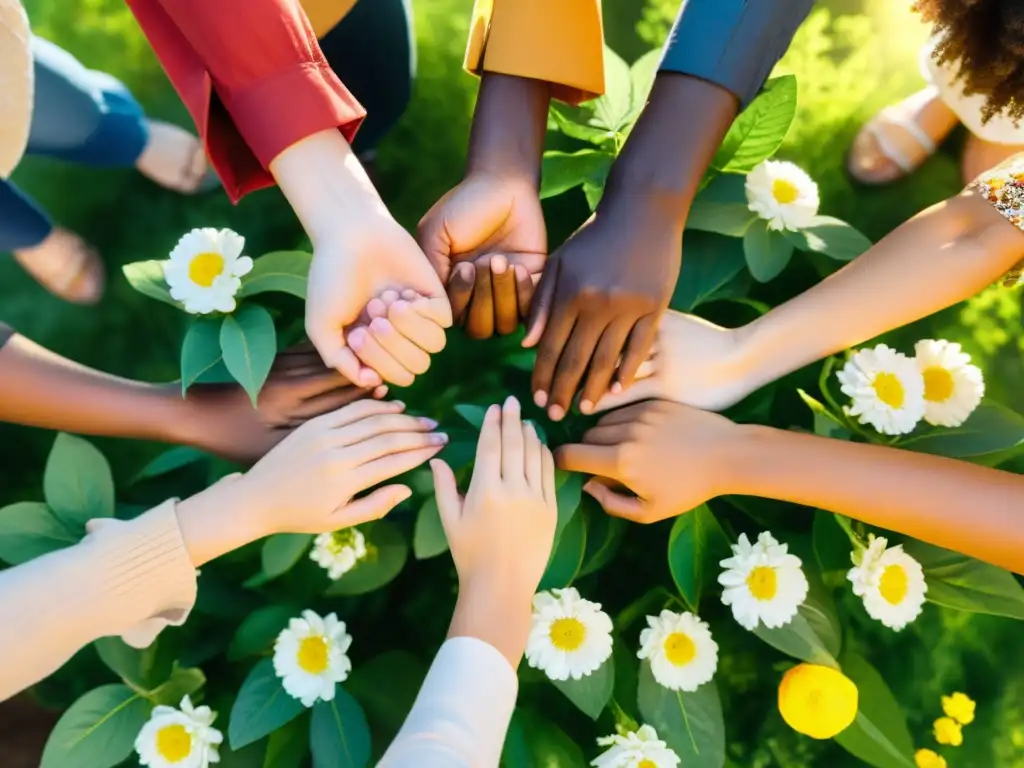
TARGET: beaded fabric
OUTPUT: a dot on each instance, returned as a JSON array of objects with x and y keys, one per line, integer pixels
[{"x": 1003, "y": 186}]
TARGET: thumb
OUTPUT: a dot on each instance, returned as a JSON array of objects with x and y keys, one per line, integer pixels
[
  {"x": 449, "y": 505},
  {"x": 646, "y": 389},
  {"x": 372, "y": 506},
  {"x": 615, "y": 504},
  {"x": 433, "y": 239},
  {"x": 540, "y": 304}
]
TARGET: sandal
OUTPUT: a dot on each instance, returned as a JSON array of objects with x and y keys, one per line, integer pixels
[
  {"x": 900, "y": 138},
  {"x": 175, "y": 159},
  {"x": 66, "y": 266}
]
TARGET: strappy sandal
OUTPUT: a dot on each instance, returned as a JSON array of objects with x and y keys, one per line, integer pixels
[
  {"x": 193, "y": 174},
  {"x": 66, "y": 266}
]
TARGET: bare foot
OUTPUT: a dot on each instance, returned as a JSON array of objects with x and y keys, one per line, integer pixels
[
  {"x": 66, "y": 266},
  {"x": 173, "y": 158},
  {"x": 980, "y": 156},
  {"x": 899, "y": 138}
]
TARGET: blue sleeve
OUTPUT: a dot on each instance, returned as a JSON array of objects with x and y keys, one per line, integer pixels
[{"x": 733, "y": 43}]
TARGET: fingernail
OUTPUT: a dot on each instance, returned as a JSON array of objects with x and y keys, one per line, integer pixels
[
  {"x": 556, "y": 413},
  {"x": 428, "y": 423},
  {"x": 381, "y": 391},
  {"x": 617, "y": 388},
  {"x": 499, "y": 265},
  {"x": 586, "y": 406},
  {"x": 379, "y": 325},
  {"x": 357, "y": 339},
  {"x": 398, "y": 404},
  {"x": 438, "y": 438},
  {"x": 540, "y": 398},
  {"x": 511, "y": 403},
  {"x": 369, "y": 379}
]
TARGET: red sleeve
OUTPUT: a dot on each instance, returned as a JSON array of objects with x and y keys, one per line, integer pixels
[{"x": 253, "y": 77}]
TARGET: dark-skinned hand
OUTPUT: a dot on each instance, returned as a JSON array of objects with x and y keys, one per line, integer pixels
[{"x": 490, "y": 296}]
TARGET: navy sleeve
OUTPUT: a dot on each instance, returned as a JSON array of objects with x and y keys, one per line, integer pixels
[{"x": 733, "y": 43}]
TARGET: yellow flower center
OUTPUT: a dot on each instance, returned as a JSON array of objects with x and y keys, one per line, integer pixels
[
  {"x": 762, "y": 582},
  {"x": 889, "y": 389},
  {"x": 784, "y": 191},
  {"x": 947, "y": 731},
  {"x": 938, "y": 384},
  {"x": 817, "y": 701},
  {"x": 568, "y": 634},
  {"x": 646, "y": 764},
  {"x": 205, "y": 268},
  {"x": 173, "y": 743},
  {"x": 893, "y": 584},
  {"x": 679, "y": 649},
  {"x": 313, "y": 654}
]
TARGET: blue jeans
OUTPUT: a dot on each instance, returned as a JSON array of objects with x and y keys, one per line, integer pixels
[{"x": 79, "y": 115}]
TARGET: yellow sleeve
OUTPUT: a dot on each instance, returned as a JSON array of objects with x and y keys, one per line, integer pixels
[{"x": 559, "y": 41}]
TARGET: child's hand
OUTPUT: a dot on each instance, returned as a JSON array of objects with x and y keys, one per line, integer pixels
[{"x": 501, "y": 534}]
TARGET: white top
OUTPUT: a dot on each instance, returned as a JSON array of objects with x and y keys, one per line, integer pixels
[
  {"x": 16, "y": 83},
  {"x": 462, "y": 712}
]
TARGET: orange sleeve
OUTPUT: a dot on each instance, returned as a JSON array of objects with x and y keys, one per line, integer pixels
[{"x": 558, "y": 41}]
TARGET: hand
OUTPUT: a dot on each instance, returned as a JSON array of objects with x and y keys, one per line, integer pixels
[
  {"x": 221, "y": 420},
  {"x": 693, "y": 362},
  {"x": 671, "y": 456},
  {"x": 501, "y": 534},
  {"x": 598, "y": 304},
  {"x": 486, "y": 239}
]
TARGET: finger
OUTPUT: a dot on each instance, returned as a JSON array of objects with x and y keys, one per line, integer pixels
[
  {"x": 379, "y": 470},
  {"x": 488, "y": 447},
  {"x": 300, "y": 348},
  {"x": 608, "y": 434},
  {"x": 325, "y": 403},
  {"x": 405, "y": 352},
  {"x": 533, "y": 458},
  {"x": 512, "y": 448},
  {"x": 316, "y": 382},
  {"x": 384, "y": 424},
  {"x": 436, "y": 308},
  {"x": 380, "y": 445},
  {"x": 588, "y": 459},
  {"x": 540, "y": 305},
  {"x": 370, "y": 351},
  {"x": 480, "y": 321},
  {"x": 647, "y": 368},
  {"x": 432, "y": 236},
  {"x": 355, "y": 412},
  {"x": 602, "y": 367},
  {"x": 573, "y": 363},
  {"x": 373, "y": 506},
  {"x": 291, "y": 360},
  {"x": 615, "y": 504},
  {"x": 506, "y": 304},
  {"x": 646, "y": 389},
  {"x": 421, "y": 331},
  {"x": 638, "y": 349},
  {"x": 556, "y": 335},
  {"x": 460, "y": 290},
  {"x": 524, "y": 290},
  {"x": 449, "y": 505},
  {"x": 550, "y": 492},
  {"x": 336, "y": 354},
  {"x": 376, "y": 308},
  {"x": 628, "y": 414}
]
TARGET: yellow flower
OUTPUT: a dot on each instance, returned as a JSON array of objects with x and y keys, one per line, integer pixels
[
  {"x": 817, "y": 701},
  {"x": 925, "y": 758},
  {"x": 947, "y": 731},
  {"x": 960, "y": 707}
]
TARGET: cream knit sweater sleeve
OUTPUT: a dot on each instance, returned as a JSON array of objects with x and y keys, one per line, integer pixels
[
  {"x": 128, "y": 578},
  {"x": 16, "y": 78}
]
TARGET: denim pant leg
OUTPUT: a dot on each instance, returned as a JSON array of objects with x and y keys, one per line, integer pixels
[{"x": 22, "y": 222}]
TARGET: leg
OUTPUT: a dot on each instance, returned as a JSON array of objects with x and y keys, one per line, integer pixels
[{"x": 980, "y": 156}]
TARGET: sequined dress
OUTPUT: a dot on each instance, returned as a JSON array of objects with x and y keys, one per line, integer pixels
[{"x": 1003, "y": 186}]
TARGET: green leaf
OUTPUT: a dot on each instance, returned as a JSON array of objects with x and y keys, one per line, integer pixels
[
  {"x": 387, "y": 551},
  {"x": 695, "y": 545},
  {"x": 280, "y": 271},
  {"x": 261, "y": 708},
  {"x": 143, "y": 669},
  {"x": 590, "y": 694},
  {"x": 184, "y": 681},
  {"x": 612, "y": 110},
  {"x": 248, "y": 342},
  {"x": 690, "y": 723},
  {"x": 832, "y": 548},
  {"x": 567, "y": 557},
  {"x": 593, "y": 192},
  {"x": 428, "y": 538},
  {"x": 760, "y": 129},
  {"x": 562, "y": 171},
  {"x": 832, "y": 237},
  {"x": 387, "y": 686},
  {"x": 604, "y": 535},
  {"x": 338, "y": 733},
  {"x": 29, "y": 530},
  {"x": 200, "y": 350},
  {"x": 722, "y": 208},
  {"x": 961, "y": 582},
  {"x": 767, "y": 252},
  {"x": 641, "y": 78},
  {"x": 534, "y": 741},
  {"x": 288, "y": 746},
  {"x": 282, "y": 551},
  {"x": 77, "y": 482},
  {"x": 249, "y": 756},
  {"x": 259, "y": 629},
  {"x": 147, "y": 277},
  {"x": 568, "y": 492},
  {"x": 473, "y": 414},
  {"x": 990, "y": 429},
  {"x": 710, "y": 262},
  {"x": 98, "y": 730},
  {"x": 579, "y": 122},
  {"x": 170, "y": 461},
  {"x": 879, "y": 735}
]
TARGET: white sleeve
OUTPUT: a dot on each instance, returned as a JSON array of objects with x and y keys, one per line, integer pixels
[{"x": 462, "y": 711}]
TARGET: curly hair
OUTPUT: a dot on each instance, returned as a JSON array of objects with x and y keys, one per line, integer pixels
[{"x": 985, "y": 39}]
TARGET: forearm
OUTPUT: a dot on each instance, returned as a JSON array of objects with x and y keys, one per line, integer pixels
[
  {"x": 509, "y": 124},
  {"x": 939, "y": 257},
  {"x": 500, "y": 617},
  {"x": 911, "y": 493}
]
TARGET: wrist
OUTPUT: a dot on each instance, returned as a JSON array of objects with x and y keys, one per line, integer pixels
[
  {"x": 175, "y": 419},
  {"x": 743, "y": 459},
  {"x": 220, "y": 519},
  {"x": 497, "y": 614}
]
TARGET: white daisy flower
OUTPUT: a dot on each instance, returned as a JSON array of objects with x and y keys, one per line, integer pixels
[
  {"x": 953, "y": 387},
  {"x": 570, "y": 636},
  {"x": 338, "y": 552},
  {"x": 763, "y": 582},
  {"x": 683, "y": 655},
  {"x": 886, "y": 388},
  {"x": 783, "y": 194},
  {"x": 310, "y": 657},
  {"x": 179, "y": 738},
  {"x": 637, "y": 749},
  {"x": 204, "y": 269},
  {"x": 890, "y": 582}
]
